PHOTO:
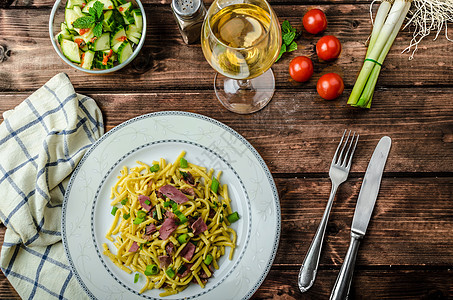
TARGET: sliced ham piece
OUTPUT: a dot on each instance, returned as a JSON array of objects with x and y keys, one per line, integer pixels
[
  {"x": 189, "y": 179},
  {"x": 134, "y": 247},
  {"x": 187, "y": 271},
  {"x": 150, "y": 229},
  {"x": 170, "y": 248},
  {"x": 164, "y": 261},
  {"x": 167, "y": 228},
  {"x": 174, "y": 194},
  {"x": 143, "y": 199},
  {"x": 188, "y": 191},
  {"x": 199, "y": 226},
  {"x": 188, "y": 251}
]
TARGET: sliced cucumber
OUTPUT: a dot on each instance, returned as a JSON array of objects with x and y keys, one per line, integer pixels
[
  {"x": 125, "y": 9},
  {"x": 116, "y": 47},
  {"x": 71, "y": 3},
  {"x": 102, "y": 42},
  {"x": 87, "y": 61},
  {"x": 124, "y": 51},
  {"x": 138, "y": 19},
  {"x": 118, "y": 36},
  {"x": 70, "y": 50},
  {"x": 129, "y": 19},
  {"x": 109, "y": 22},
  {"x": 133, "y": 34},
  {"x": 108, "y": 4},
  {"x": 70, "y": 15}
]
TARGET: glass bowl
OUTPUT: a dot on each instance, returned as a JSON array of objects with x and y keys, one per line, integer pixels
[{"x": 57, "y": 16}]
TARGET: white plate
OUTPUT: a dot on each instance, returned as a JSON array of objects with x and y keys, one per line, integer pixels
[{"x": 209, "y": 143}]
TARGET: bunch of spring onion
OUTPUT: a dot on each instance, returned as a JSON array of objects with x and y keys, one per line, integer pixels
[{"x": 389, "y": 18}]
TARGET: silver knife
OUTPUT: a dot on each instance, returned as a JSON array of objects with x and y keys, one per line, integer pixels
[{"x": 363, "y": 210}]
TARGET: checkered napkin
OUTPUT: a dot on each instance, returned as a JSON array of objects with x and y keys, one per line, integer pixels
[{"x": 41, "y": 142}]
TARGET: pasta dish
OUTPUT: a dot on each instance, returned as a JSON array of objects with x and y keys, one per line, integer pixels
[{"x": 171, "y": 224}]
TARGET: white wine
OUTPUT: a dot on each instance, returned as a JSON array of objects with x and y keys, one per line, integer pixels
[{"x": 241, "y": 41}]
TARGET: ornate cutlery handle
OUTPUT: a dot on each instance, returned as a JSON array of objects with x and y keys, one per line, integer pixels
[
  {"x": 343, "y": 283},
  {"x": 307, "y": 273}
]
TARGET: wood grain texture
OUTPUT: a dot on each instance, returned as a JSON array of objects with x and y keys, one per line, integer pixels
[
  {"x": 281, "y": 284},
  {"x": 298, "y": 132},
  {"x": 165, "y": 62}
]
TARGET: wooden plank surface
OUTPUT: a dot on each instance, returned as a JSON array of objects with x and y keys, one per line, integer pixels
[
  {"x": 290, "y": 132},
  {"x": 408, "y": 252},
  {"x": 166, "y": 62}
]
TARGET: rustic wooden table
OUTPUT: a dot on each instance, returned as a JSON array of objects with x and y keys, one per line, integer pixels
[{"x": 408, "y": 251}]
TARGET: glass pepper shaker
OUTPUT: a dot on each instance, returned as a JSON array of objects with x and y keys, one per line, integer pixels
[{"x": 189, "y": 15}]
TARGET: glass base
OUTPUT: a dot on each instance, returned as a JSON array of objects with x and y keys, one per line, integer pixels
[{"x": 245, "y": 96}]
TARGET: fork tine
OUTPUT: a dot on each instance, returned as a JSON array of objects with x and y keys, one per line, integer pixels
[
  {"x": 345, "y": 158},
  {"x": 335, "y": 157},
  {"x": 353, "y": 150},
  {"x": 342, "y": 149}
]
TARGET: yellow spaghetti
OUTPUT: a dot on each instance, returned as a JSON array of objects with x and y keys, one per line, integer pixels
[{"x": 171, "y": 224}]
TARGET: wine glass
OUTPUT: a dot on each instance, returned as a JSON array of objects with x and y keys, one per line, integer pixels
[{"x": 241, "y": 39}]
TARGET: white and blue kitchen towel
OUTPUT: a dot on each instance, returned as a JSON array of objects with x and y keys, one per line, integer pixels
[{"x": 41, "y": 142}]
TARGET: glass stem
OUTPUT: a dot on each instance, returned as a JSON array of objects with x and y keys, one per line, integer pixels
[{"x": 244, "y": 84}]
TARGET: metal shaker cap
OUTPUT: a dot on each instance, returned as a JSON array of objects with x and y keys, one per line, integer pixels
[{"x": 186, "y": 8}]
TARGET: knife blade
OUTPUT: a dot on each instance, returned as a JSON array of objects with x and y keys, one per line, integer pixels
[{"x": 362, "y": 215}]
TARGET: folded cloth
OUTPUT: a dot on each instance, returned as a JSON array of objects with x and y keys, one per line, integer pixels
[{"x": 41, "y": 142}]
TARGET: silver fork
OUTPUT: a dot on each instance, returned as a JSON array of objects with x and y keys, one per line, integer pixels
[{"x": 338, "y": 173}]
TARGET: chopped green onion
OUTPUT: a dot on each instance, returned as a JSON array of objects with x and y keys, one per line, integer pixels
[
  {"x": 154, "y": 168},
  {"x": 182, "y": 269},
  {"x": 147, "y": 202},
  {"x": 141, "y": 214},
  {"x": 141, "y": 246},
  {"x": 183, "y": 238},
  {"x": 138, "y": 220},
  {"x": 208, "y": 259},
  {"x": 137, "y": 275},
  {"x": 184, "y": 175},
  {"x": 151, "y": 270},
  {"x": 183, "y": 163},
  {"x": 182, "y": 218},
  {"x": 215, "y": 185},
  {"x": 170, "y": 272},
  {"x": 114, "y": 209},
  {"x": 167, "y": 203},
  {"x": 233, "y": 217},
  {"x": 126, "y": 216},
  {"x": 124, "y": 201},
  {"x": 155, "y": 215}
]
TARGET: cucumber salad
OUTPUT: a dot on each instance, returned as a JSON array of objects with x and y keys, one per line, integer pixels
[{"x": 100, "y": 34}]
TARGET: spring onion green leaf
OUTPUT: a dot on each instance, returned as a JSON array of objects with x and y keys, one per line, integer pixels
[
  {"x": 124, "y": 201},
  {"x": 183, "y": 238},
  {"x": 141, "y": 214},
  {"x": 151, "y": 270},
  {"x": 182, "y": 269},
  {"x": 138, "y": 220},
  {"x": 154, "y": 168},
  {"x": 147, "y": 202},
  {"x": 208, "y": 259},
  {"x": 126, "y": 216},
  {"x": 137, "y": 275},
  {"x": 215, "y": 185},
  {"x": 114, "y": 209},
  {"x": 170, "y": 272},
  {"x": 183, "y": 163},
  {"x": 233, "y": 217}
]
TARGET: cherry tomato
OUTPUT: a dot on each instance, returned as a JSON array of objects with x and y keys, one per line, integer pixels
[
  {"x": 301, "y": 68},
  {"x": 330, "y": 86},
  {"x": 314, "y": 21},
  {"x": 328, "y": 48}
]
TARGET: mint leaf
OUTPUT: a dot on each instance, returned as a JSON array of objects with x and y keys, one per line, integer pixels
[
  {"x": 292, "y": 47},
  {"x": 286, "y": 27},
  {"x": 98, "y": 6},
  {"x": 98, "y": 30},
  {"x": 288, "y": 37},
  {"x": 83, "y": 22}
]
